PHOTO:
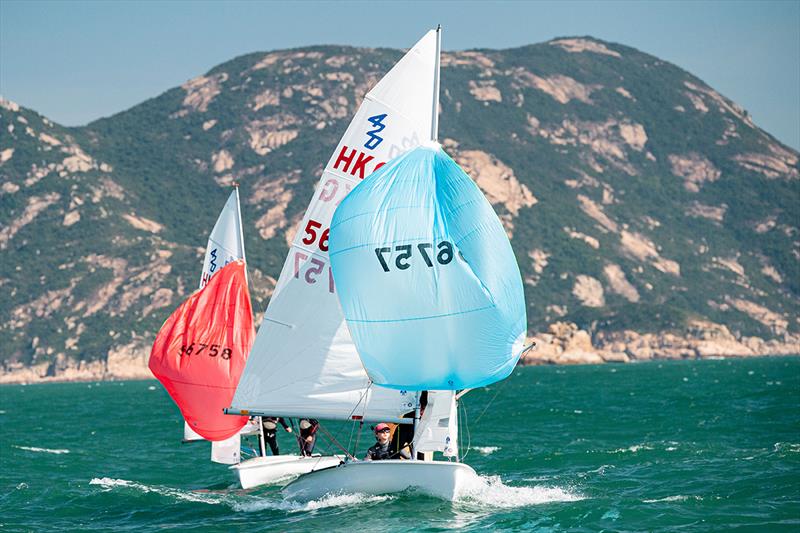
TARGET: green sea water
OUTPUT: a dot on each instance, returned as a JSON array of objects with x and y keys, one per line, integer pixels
[{"x": 660, "y": 446}]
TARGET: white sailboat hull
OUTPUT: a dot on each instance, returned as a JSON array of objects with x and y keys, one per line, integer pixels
[
  {"x": 440, "y": 479},
  {"x": 276, "y": 468}
]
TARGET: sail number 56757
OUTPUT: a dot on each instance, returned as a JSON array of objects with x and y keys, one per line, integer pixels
[
  {"x": 444, "y": 254},
  {"x": 313, "y": 234}
]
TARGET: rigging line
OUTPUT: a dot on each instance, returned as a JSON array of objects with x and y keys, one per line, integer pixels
[
  {"x": 361, "y": 398},
  {"x": 499, "y": 389},
  {"x": 460, "y": 433},
  {"x": 469, "y": 436},
  {"x": 361, "y": 422},
  {"x": 296, "y": 436},
  {"x": 334, "y": 441}
]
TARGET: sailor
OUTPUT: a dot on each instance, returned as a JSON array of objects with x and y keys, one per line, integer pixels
[
  {"x": 383, "y": 447},
  {"x": 269, "y": 425},
  {"x": 308, "y": 435}
]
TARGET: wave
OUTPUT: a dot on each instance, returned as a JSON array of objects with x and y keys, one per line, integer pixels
[
  {"x": 330, "y": 500},
  {"x": 485, "y": 450},
  {"x": 786, "y": 447},
  {"x": 678, "y": 498},
  {"x": 237, "y": 501},
  {"x": 108, "y": 484},
  {"x": 40, "y": 450},
  {"x": 632, "y": 449},
  {"x": 491, "y": 491}
]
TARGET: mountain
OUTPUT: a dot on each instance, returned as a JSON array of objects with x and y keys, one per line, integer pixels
[{"x": 639, "y": 200}]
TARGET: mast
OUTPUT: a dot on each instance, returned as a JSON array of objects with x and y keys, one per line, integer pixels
[
  {"x": 435, "y": 138},
  {"x": 241, "y": 228},
  {"x": 435, "y": 115}
]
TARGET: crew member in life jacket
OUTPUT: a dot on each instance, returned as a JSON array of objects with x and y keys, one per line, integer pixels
[
  {"x": 383, "y": 447},
  {"x": 269, "y": 426},
  {"x": 308, "y": 435}
]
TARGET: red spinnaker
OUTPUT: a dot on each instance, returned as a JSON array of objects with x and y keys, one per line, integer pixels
[{"x": 201, "y": 350}]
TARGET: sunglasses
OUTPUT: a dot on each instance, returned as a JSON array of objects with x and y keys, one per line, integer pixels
[{"x": 387, "y": 430}]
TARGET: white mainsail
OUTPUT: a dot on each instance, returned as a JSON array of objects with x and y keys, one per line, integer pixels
[
  {"x": 225, "y": 244},
  {"x": 303, "y": 361},
  {"x": 226, "y": 241}
]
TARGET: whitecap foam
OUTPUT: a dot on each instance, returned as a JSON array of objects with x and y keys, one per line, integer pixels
[
  {"x": 485, "y": 450},
  {"x": 108, "y": 484},
  {"x": 329, "y": 500},
  {"x": 237, "y": 501},
  {"x": 632, "y": 449},
  {"x": 491, "y": 491},
  {"x": 601, "y": 470},
  {"x": 677, "y": 498},
  {"x": 41, "y": 450},
  {"x": 341, "y": 500},
  {"x": 786, "y": 447}
]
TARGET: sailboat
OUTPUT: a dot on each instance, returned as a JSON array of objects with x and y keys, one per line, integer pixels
[
  {"x": 225, "y": 245},
  {"x": 303, "y": 362},
  {"x": 433, "y": 299}
]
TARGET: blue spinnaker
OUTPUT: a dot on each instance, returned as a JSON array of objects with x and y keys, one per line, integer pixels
[{"x": 426, "y": 277}]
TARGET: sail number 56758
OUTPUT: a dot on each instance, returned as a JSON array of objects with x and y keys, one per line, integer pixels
[{"x": 211, "y": 350}]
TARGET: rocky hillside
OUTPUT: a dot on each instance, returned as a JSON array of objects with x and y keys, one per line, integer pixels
[{"x": 639, "y": 200}]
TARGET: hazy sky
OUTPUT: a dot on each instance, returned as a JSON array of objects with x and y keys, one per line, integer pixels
[{"x": 78, "y": 61}]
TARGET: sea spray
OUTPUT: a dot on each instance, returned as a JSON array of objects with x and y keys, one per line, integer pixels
[{"x": 491, "y": 491}]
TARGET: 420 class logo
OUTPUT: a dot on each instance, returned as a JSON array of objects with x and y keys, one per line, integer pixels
[
  {"x": 378, "y": 125},
  {"x": 211, "y": 350}
]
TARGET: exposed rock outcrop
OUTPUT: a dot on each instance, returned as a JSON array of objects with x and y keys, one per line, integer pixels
[{"x": 564, "y": 343}]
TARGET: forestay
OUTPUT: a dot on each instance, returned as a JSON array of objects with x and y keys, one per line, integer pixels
[
  {"x": 303, "y": 362},
  {"x": 427, "y": 278}
]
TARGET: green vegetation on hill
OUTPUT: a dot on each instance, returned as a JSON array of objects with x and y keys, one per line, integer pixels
[{"x": 657, "y": 202}]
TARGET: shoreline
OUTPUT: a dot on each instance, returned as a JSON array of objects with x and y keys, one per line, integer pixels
[
  {"x": 15, "y": 378},
  {"x": 563, "y": 344}
]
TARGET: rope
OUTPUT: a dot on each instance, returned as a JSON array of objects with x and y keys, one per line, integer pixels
[
  {"x": 469, "y": 436},
  {"x": 296, "y": 436},
  {"x": 499, "y": 388},
  {"x": 336, "y": 442}
]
